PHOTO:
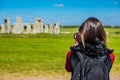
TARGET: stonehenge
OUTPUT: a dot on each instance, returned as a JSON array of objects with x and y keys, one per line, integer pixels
[{"x": 29, "y": 28}]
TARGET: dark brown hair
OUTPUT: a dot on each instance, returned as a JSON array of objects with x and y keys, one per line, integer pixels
[{"x": 92, "y": 30}]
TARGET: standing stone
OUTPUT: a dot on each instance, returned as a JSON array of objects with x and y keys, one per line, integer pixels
[
  {"x": 46, "y": 28},
  {"x": 56, "y": 28},
  {"x": 31, "y": 26},
  {"x": 29, "y": 30},
  {"x": 24, "y": 29},
  {"x": 37, "y": 25},
  {"x": 18, "y": 26},
  {"x": 3, "y": 28},
  {"x": 38, "y": 28},
  {"x": 34, "y": 29},
  {"x": 41, "y": 25},
  {"x": 11, "y": 28},
  {"x": 50, "y": 28},
  {"x": 7, "y": 25}
]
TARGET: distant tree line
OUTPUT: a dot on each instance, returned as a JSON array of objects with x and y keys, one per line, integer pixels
[
  {"x": 109, "y": 26},
  {"x": 77, "y": 26},
  {"x": 70, "y": 26}
]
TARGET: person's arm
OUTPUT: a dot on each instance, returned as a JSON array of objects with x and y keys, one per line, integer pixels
[{"x": 68, "y": 64}]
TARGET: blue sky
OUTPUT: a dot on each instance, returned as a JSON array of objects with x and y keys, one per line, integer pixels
[{"x": 66, "y": 12}]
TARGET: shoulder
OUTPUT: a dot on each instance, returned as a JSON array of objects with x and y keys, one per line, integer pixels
[
  {"x": 68, "y": 64},
  {"x": 69, "y": 53},
  {"x": 112, "y": 57}
]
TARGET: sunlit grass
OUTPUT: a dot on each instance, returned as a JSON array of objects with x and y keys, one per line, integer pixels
[
  {"x": 29, "y": 54},
  {"x": 37, "y": 54}
]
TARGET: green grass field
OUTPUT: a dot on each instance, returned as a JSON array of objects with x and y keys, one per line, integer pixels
[{"x": 41, "y": 54}]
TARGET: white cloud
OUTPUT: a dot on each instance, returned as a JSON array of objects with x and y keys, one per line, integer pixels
[
  {"x": 29, "y": 16},
  {"x": 116, "y": 3},
  {"x": 58, "y": 5}
]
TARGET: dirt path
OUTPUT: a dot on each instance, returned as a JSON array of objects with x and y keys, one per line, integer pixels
[
  {"x": 59, "y": 77},
  {"x": 51, "y": 76},
  {"x": 45, "y": 78}
]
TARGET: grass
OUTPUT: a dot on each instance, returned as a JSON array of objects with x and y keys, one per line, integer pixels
[
  {"x": 33, "y": 54},
  {"x": 38, "y": 54},
  {"x": 114, "y": 42}
]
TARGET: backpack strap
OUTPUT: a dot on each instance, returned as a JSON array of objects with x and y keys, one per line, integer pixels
[
  {"x": 103, "y": 58},
  {"x": 105, "y": 68},
  {"x": 75, "y": 49},
  {"x": 76, "y": 75},
  {"x": 80, "y": 56},
  {"x": 77, "y": 72}
]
